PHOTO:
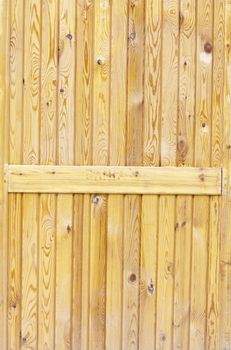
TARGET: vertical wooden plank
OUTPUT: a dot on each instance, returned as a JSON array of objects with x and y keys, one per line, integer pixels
[
  {"x": 204, "y": 58},
  {"x": 31, "y": 79},
  {"x": 134, "y": 156},
  {"x": 148, "y": 266},
  {"x": 118, "y": 83},
  {"x": 199, "y": 272},
  {"x": 97, "y": 304},
  {"x": 165, "y": 279},
  {"x": 77, "y": 256},
  {"x": 30, "y": 208},
  {"x": 16, "y": 81},
  {"x": 183, "y": 235},
  {"x": 83, "y": 155},
  {"x": 15, "y": 157},
  {"x": 114, "y": 272},
  {"x": 169, "y": 110},
  {"x": 152, "y": 82},
  {"x": 14, "y": 274},
  {"x": 203, "y": 82},
  {"x": 225, "y": 246},
  {"x": 100, "y": 153},
  {"x": 169, "y": 82},
  {"x": 117, "y": 142},
  {"x": 46, "y": 278},
  {"x": 213, "y": 309},
  {"x": 130, "y": 330},
  {"x": 212, "y": 333},
  {"x": 135, "y": 83},
  {"x": 84, "y": 82},
  {"x": 49, "y": 81},
  {"x": 63, "y": 293},
  {"x": 151, "y": 157},
  {"x": 85, "y": 273},
  {"x": 65, "y": 154},
  {"x": 66, "y": 81},
  {"x": 187, "y": 70},
  {"x": 29, "y": 336},
  {"x": 101, "y": 81},
  {"x": 185, "y": 156}
]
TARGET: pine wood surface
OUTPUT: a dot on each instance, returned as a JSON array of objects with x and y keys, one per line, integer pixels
[{"x": 115, "y": 174}]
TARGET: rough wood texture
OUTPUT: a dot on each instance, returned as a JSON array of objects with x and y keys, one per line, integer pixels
[
  {"x": 115, "y": 140},
  {"x": 111, "y": 179}
]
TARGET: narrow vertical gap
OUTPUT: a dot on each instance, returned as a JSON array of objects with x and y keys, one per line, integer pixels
[
  {"x": 161, "y": 80},
  {"x": 207, "y": 271},
  {"x": 55, "y": 259},
  {"x": 178, "y": 82},
  {"x": 195, "y": 86},
  {"x": 127, "y": 97},
  {"x": 212, "y": 86},
  {"x": 174, "y": 268},
  {"x": 122, "y": 269},
  {"x": 110, "y": 85},
  {"x": 38, "y": 201},
  {"x": 105, "y": 285},
  {"x": 74, "y": 232},
  {"x": 5, "y": 158},
  {"x": 143, "y": 76},
  {"x": 21, "y": 266},
  {"x": 89, "y": 198},
  {"x": 57, "y": 83},
  {"x": 139, "y": 286},
  {"x": 23, "y": 83},
  {"x": 157, "y": 264},
  {"x": 75, "y": 89},
  {"x": 93, "y": 85},
  {"x": 191, "y": 267},
  {"x": 40, "y": 82}
]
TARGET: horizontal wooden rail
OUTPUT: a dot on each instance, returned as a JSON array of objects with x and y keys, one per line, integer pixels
[{"x": 113, "y": 179}]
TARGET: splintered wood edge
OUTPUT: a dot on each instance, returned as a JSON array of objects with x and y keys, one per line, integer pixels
[{"x": 113, "y": 179}]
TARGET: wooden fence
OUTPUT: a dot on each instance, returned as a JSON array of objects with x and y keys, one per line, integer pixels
[{"x": 115, "y": 191}]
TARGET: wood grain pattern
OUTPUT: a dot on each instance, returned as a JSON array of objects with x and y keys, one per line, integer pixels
[
  {"x": 16, "y": 81},
  {"x": 131, "y": 275},
  {"x": 199, "y": 273},
  {"x": 86, "y": 272},
  {"x": 110, "y": 179},
  {"x": 152, "y": 82},
  {"x": 185, "y": 157},
  {"x": 14, "y": 274},
  {"x": 31, "y": 80},
  {"x": 115, "y": 143},
  {"x": 225, "y": 251},
  {"x": 165, "y": 273},
  {"x": 15, "y": 156},
  {"x": 101, "y": 56},
  {"x": 97, "y": 302},
  {"x": 63, "y": 264},
  {"x": 49, "y": 82},
  {"x": 84, "y": 82},
  {"x": 29, "y": 316},
  {"x": 66, "y": 81},
  {"x": 183, "y": 238},
  {"x": 48, "y": 151},
  {"x": 114, "y": 272},
  {"x": 148, "y": 268},
  {"x": 203, "y": 127},
  {"x": 46, "y": 287},
  {"x": 135, "y": 93}
]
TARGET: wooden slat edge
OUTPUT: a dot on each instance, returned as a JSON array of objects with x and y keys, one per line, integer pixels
[
  {"x": 114, "y": 179},
  {"x": 4, "y": 94}
]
